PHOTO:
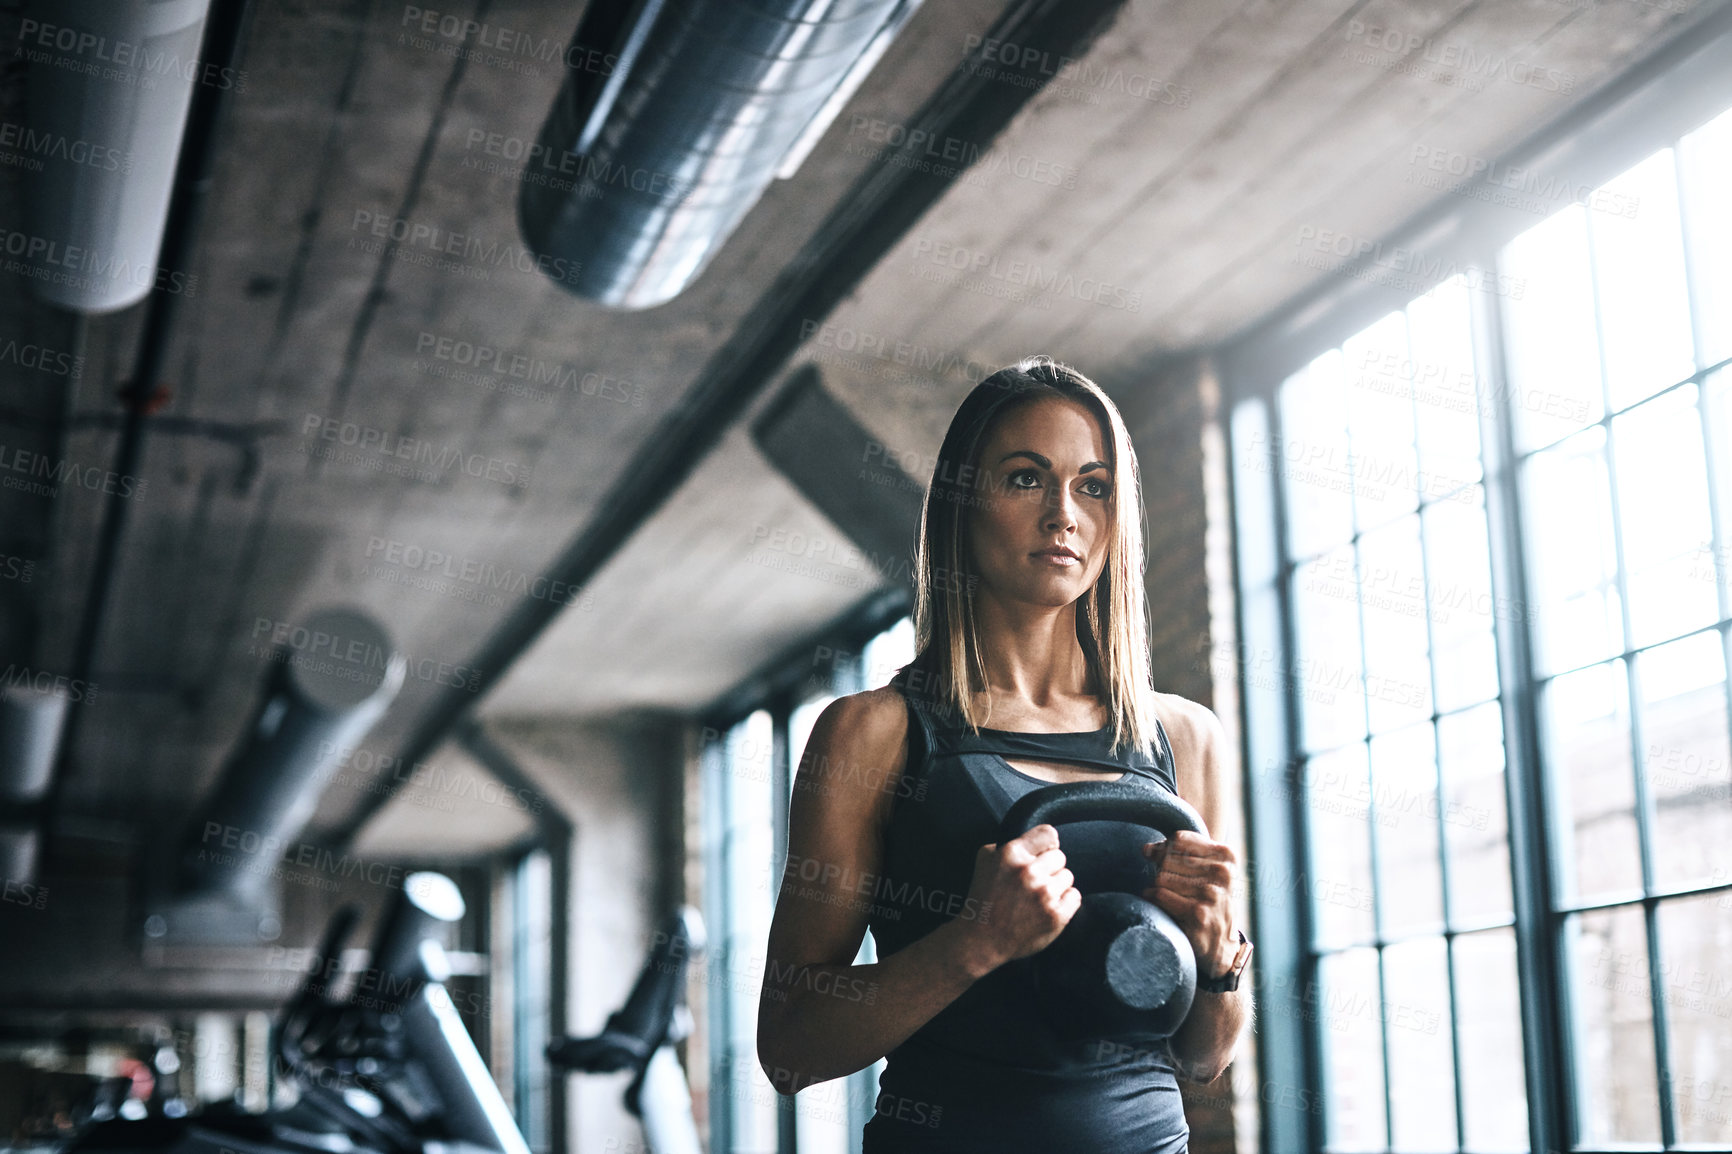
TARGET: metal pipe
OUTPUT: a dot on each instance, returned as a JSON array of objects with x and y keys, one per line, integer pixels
[
  {"x": 224, "y": 31},
  {"x": 648, "y": 168},
  {"x": 332, "y": 682}
]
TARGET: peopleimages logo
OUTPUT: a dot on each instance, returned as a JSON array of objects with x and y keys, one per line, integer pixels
[
  {"x": 406, "y": 448},
  {"x": 40, "y": 258},
  {"x": 32, "y": 145},
  {"x": 49, "y": 474},
  {"x": 119, "y": 60},
  {"x": 347, "y": 657},
  {"x": 454, "y": 251},
  {"x": 978, "y": 263},
  {"x": 53, "y": 684}
]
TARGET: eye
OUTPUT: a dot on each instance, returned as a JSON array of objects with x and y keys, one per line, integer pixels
[
  {"x": 1101, "y": 488},
  {"x": 1012, "y": 480}
]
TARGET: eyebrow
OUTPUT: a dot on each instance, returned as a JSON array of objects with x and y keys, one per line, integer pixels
[{"x": 1046, "y": 464}]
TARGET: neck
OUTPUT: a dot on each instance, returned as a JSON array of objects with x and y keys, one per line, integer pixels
[{"x": 1031, "y": 653}]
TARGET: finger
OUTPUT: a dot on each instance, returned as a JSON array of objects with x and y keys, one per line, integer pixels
[
  {"x": 1192, "y": 890},
  {"x": 1047, "y": 863},
  {"x": 1041, "y": 837},
  {"x": 1213, "y": 851},
  {"x": 1198, "y": 873},
  {"x": 1196, "y": 845}
]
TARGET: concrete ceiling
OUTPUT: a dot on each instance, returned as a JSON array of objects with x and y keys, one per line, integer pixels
[{"x": 1176, "y": 165}]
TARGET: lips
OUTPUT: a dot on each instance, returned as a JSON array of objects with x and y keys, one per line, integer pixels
[{"x": 1058, "y": 551}]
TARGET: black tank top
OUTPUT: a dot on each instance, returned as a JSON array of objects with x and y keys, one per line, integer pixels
[{"x": 990, "y": 1071}]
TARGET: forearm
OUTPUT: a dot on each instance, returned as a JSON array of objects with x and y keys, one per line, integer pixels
[
  {"x": 820, "y": 1022},
  {"x": 1204, "y": 1045}
]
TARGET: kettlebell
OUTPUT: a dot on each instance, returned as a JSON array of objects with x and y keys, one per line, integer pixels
[{"x": 1121, "y": 966}]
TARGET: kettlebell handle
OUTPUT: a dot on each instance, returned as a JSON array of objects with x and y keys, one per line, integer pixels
[{"x": 1100, "y": 801}]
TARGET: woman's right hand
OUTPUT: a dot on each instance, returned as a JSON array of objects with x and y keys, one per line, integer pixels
[{"x": 1025, "y": 896}]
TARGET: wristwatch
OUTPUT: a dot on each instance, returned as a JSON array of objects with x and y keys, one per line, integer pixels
[{"x": 1230, "y": 980}]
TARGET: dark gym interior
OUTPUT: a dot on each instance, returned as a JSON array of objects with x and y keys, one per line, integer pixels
[{"x": 450, "y": 454}]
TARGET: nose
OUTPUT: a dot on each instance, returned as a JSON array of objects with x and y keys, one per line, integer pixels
[{"x": 1060, "y": 513}]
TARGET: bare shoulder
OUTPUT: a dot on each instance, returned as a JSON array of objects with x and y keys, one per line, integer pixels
[
  {"x": 1199, "y": 754},
  {"x": 841, "y": 802},
  {"x": 872, "y": 724},
  {"x": 1193, "y": 728},
  {"x": 856, "y": 753}
]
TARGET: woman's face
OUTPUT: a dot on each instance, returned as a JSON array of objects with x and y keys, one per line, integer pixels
[{"x": 1045, "y": 484}]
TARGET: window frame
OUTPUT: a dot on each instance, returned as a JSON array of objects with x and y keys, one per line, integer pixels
[
  {"x": 1683, "y": 84},
  {"x": 780, "y": 687}
]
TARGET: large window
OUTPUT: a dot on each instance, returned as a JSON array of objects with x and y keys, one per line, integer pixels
[
  {"x": 749, "y": 770},
  {"x": 1486, "y": 577}
]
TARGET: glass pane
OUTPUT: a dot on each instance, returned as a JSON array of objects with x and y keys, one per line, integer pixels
[
  {"x": 1336, "y": 791},
  {"x": 1663, "y": 486},
  {"x": 823, "y": 1124},
  {"x": 888, "y": 652},
  {"x": 1489, "y": 1020},
  {"x": 1639, "y": 271},
  {"x": 1616, "y": 1080},
  {"x": 1380, "y": 429},
  {"x": 1712, "y": 568},
  {"x": 801, "y": 719},
  {"x": 1685, "y": 756},
  {"x": 1421, "y": 1070},
  {"x": 1695, "y": 943},
  {"x": 750, "y": 843},
  {"x": 1404, "y": 786},
  {"x": 1446, "y": 393},
  {"x": 1475, "y": 814},
  {"x": 1392, "y": 598},
  {"x": 1328, "y": 675},
  {"x": 1463, "y": 608},
  {"x": 1573, "y": 554},
  {"x": 1312, "y": 457},
  {"x": 1588, "y": 746},
  {"x": 1551, "y": 348},
  {"x": 1706, "y": 157},
  {"x": 1353, "y": 1046}
]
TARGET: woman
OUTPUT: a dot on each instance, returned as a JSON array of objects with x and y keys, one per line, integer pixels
[{"x": 1028, "y": 614}]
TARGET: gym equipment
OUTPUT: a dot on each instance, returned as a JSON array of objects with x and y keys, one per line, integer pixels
[
  {"x": 388, "y": 1068},
  {"x": 640, "y": 1036},
  {"x": 1122, "y": 966}
]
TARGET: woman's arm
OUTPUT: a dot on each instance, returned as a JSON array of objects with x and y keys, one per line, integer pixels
[
  {"x": 1195, "y": 886},
  {"x": 820, "y": 1016}
]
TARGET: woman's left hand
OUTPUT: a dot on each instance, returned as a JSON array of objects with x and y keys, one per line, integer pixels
[{"x": 1194, "y": 886}]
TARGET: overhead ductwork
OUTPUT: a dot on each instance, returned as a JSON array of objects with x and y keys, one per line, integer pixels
[
  {"x": 852, "y": 476},
  {"x": 31, "y": 721},
  {"x": 674, "y": 118},
  {"x": 110, "y": 82},
  {"x": 331, "y": 681}
]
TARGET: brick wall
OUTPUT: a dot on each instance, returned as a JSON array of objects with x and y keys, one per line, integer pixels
[{"x": 1174, "y": 421}]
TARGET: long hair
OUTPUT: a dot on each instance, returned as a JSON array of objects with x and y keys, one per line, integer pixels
[{"x": 948, "y": 668}]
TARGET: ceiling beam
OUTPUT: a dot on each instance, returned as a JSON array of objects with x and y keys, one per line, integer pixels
[{"x": 882, "y": 206}]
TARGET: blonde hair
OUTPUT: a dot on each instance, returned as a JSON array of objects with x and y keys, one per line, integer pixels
[{"x": 1111, "y": 624}]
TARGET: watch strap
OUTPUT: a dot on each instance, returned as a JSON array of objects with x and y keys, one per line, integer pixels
[{"x": 1229, "y": 981}]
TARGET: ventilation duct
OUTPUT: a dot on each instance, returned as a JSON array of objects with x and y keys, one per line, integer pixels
[
  {"x": 331, "y": 682},
  {"x": 674, "y": 117},
  {"x": 852, "y": 476},
  {"x": 109, "y": 85},
  {"x": 31, "y": 722}
]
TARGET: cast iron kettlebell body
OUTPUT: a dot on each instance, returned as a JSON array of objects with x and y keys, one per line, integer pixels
[{"x": 1121, "y": 967}]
